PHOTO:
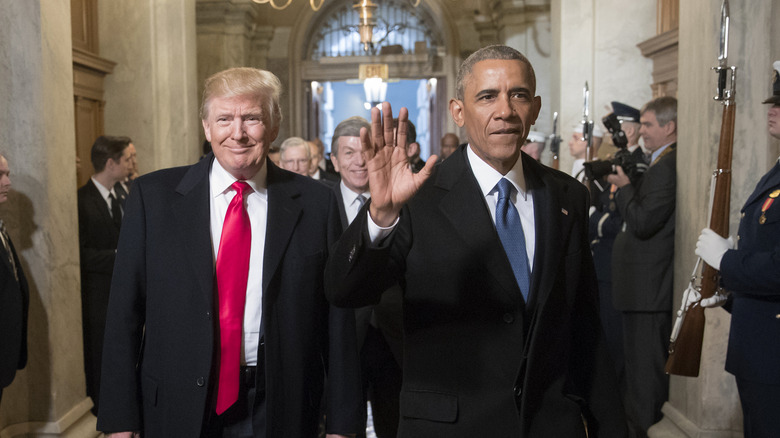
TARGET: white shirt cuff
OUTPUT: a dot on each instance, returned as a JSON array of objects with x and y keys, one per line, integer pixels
[{"x": 377, "y": 233}]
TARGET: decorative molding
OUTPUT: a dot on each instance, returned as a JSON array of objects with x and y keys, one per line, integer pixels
[
  {"x": 676, "y": 425},
  {"x": 663, "y": 51},
  {"x": 408, "y": 66},
  {"x": 92, "y": 61},
  {"x": 77, "y": 423}
]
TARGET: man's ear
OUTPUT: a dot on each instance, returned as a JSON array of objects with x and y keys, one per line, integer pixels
[
  {"x": 334, "y": 159},
  {"x": 537, "y": 108},
  {"x": 456, "y": 110},
  {"x": 206, "y": 129},
  {"x": 670, "y": 127}
]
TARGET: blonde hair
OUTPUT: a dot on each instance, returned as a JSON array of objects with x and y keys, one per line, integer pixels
[{"x": 245, "y": 81}]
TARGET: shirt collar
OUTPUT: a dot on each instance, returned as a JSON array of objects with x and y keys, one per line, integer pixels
[
  {"x": 349, "y": 196},
  {"x": 488, "y": 177},
  {"x": 105, "y": 192},
  {"x": 220, "y": 180},
  {"x": 658, "y": 152}
]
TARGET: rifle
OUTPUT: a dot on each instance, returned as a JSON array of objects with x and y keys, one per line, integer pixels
[
  {"x": 688, "y": 332},
  {"x": 555, "y": 142},
  {"x": 587, "y": 124}
]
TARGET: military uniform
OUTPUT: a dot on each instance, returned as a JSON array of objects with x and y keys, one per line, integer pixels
[{"x": 752, "y": 273}]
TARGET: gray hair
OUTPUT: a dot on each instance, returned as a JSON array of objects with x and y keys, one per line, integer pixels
[
  {"x": 348, "y": 128},
  {"x": 294, "y": 142},
  {"x": 665, "y": 109},
  {"x": 500, "y": 52}
]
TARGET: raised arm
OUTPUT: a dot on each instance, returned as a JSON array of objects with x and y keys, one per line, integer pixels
[{"x": 392, "y": 183}]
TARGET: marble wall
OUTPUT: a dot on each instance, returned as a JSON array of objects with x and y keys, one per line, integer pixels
[
  {"x": 37, "y": 137},
  {"x": 708, "y": 406},
  {"x": 152, "y": 95},
  {"x": 596, "y": 41}
]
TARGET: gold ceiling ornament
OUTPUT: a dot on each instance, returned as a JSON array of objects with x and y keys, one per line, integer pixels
[{"x": 315, "y": 7}]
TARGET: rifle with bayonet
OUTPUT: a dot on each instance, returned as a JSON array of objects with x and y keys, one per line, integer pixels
[
  {"x": 555, "y": 142},
  {"x": 688, "y": 332},
  {"x": 587, "y": 124}
]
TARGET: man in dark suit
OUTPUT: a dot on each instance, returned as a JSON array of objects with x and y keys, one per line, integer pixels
[
  {"x": 122, "y": 187},
  {"x": 315, "y": 171},
  {"x": 750, "y": 273},
  {"x": 100, "y": 217},
  {"x": 218, "y": 325},
  {"x": 379, "y": 327},
  {"x": 643, "y": 266},
  {"x": 14, "y": 297},
  {"x": 501, "y": 328}
]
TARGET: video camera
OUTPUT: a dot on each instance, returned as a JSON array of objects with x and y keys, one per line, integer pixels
[{"x": 633, "y": 165}]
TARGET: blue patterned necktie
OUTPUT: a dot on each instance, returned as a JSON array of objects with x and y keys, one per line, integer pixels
[{"x": 510, "y": 231}]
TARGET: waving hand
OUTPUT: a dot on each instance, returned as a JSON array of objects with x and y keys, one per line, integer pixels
[{"x": 391, "y": 181}]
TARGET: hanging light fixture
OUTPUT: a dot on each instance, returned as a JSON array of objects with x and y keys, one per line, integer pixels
[
  {"x": 313, "y": 3},
  {"x": 367, "y": 22}
]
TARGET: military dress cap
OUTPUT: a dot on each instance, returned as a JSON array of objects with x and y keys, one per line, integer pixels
[
  {"x": 625, "y": 112},
  {"x": 535, "y": 137},
  {"x": 597, "y": 132},
  {"x": 775, "y": 97}
]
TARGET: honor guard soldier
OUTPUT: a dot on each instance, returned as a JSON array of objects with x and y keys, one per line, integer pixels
[{"x": 750, "y": 272}]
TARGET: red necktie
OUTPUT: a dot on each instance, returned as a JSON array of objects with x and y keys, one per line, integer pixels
[{"x": 232, "y": 273}]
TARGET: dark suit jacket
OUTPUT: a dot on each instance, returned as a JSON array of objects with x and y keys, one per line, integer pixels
[
  {"x": 166, "y": 286},
  {"x": 14, "y": 302},
  {"x": 387, "y": 316},
  {"x": 752, "y": 273},
  {"x": 643, "y": 253},
  {"x": 98, "y": 238},
  {"x": 477, "y": 360}
]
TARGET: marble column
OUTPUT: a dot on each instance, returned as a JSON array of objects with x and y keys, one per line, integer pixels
[
  {"x": 595, "y": 41},
  {"x": 708, "y": 406},
  {"x": 37, "y": 137},
  {"x": 153, "y": 94},
  {"x": 525, "y": 26},
  {"x": 225, "y": 36}
]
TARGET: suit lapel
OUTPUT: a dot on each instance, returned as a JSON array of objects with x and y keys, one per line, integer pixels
[
  {"x": 283, "y": 214},
  {"x": 342, "y": 208},
  {"x": 99, "y": 204},
  {"x": 6, "y": 257},
  {"x": 549, "y": 226},
  {"x": 460, "y": 206},
  {"x": 192, "y": 213}
]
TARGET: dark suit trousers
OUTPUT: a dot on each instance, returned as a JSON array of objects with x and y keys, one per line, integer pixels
[
  {"x": 381, "y": 383},
  {"x": 245, "y": 419},
  {"x": 647, "y": 386},
  {"x": 760, "y": 408}
]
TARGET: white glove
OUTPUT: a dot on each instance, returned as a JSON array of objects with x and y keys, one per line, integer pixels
[
  {"x": 716, "y": 300},
  {"x": 711, "y": 247}
]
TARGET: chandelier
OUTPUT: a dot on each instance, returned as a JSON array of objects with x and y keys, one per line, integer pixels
[
  {"x": 365, "y": 10},
  {"x": 313, "y": 3}
]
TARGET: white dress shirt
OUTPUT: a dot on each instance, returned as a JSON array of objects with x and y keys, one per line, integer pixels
[
  {"x": 658, "y": 152},
  {"x": 256, "y": 203},
  {"x": 105, "y": 192},
  {"x": 487, "y": 178},
  {"x": 351, "y": 203}
]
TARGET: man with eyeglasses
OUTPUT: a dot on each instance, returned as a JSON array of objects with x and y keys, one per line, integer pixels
[{"x": 295, "y": 156}]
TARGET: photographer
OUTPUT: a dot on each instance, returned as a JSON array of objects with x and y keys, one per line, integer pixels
[
  {"x": 643, "y": 265},
  {"x": 605, "y": 223}
]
